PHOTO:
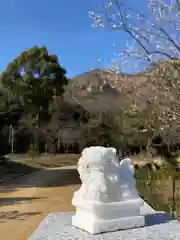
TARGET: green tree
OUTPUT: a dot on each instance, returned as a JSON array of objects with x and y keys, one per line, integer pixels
[
  {"x": 10, "y": 113},
  {"x": 34, "y": 78}
]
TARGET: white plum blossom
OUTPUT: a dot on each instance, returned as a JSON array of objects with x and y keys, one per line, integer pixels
[{"x": 154, "y": 37}]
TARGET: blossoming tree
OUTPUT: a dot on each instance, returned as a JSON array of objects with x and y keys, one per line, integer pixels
[{"x": 155, "y": 36}]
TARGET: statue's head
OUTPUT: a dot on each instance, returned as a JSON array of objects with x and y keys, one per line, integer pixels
[{"x": 98, "y": 155}]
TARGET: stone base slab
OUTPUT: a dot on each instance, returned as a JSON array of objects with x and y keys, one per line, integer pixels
[
  {"x": 107, "y": 211},
  {"x": 102, "y": 226}
]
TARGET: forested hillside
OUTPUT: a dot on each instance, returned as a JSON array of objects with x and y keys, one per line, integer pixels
[{"x": 43, "y": 111}]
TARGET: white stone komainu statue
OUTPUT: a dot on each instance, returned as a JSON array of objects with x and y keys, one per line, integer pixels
[{"x": 107, "y": 199}]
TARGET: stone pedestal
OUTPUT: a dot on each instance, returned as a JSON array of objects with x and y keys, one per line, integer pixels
[{"x": 106, "y": 217}]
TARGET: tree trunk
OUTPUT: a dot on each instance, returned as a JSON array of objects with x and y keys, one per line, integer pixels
[
  {"x": 174, "y": 195},
  {"x": 12, "y": 141},
  {"x": 11, "y": 138},
  {"x": 36, "y": 140},
  {"x": 59, "y": 141}
]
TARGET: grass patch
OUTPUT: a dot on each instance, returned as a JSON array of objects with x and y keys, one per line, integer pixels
[{"x": 156, "y": 187}]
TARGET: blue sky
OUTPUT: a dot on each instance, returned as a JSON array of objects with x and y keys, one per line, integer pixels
[{"x": 63, "y": 26}]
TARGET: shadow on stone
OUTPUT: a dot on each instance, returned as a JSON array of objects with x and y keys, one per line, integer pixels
[{"x": 157, "y": 218}]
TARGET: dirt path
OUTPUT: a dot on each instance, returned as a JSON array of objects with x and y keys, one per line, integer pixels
[{"x": 25, "y": 202}]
